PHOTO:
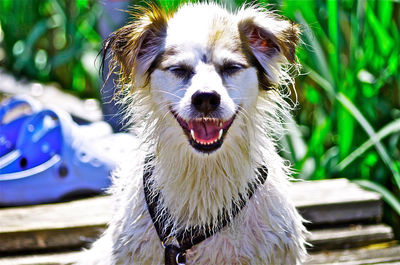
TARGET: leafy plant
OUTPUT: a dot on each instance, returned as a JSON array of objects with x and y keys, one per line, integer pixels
[
  {"x": 350, "y": 87},
  {"x": 50, "y": 40}
]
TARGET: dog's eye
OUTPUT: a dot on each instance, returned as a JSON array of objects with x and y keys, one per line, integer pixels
[
  {"x": 181, "y": 71},
  {"x": 230, "y": 69}
]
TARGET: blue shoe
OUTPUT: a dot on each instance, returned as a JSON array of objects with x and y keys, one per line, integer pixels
[
  {"x": 56, "y": 158},
  {"x": 13, "y": 113}
]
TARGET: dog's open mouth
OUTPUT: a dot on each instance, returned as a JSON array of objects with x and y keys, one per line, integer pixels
[{"x": 205, "y": 134}]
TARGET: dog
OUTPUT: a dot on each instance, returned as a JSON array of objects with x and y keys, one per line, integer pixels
[{"x": 204, "y": 87}]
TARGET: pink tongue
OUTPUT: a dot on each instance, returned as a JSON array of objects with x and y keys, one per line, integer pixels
[{"x": 204, "y": 131}]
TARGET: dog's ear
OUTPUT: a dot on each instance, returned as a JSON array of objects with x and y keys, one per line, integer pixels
[
  {"x": 134, "y": 47},
  {"x": 269, "y": 38}
]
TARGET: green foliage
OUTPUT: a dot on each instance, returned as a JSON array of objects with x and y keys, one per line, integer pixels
[
  {"x": 349, "y": 95},
  {"x": 52, "y": 40}
]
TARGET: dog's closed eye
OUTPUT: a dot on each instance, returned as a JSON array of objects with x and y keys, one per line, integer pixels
[
  {"x": 181, "y": 71},
  {"x": 230, "y": 68}
]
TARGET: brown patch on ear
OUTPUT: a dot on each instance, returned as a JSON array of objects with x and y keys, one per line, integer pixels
[
  {"x": 256, "y": 40},
  {"x": 269, "y": 42},
  {"x": 288, "y": 40},
  {"x": 134, "y": 46},
  {"x": 263, "y": 40}
]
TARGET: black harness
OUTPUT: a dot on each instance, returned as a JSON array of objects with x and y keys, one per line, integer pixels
[{"x": 176, "y": 255}]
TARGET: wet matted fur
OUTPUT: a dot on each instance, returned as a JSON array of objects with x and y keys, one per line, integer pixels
[{"x": 203, "y": 87}]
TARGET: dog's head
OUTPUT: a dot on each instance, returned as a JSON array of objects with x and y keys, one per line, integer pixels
[{"x": 203, "y": 66}]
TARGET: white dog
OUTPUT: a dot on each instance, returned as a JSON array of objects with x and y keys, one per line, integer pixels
[{"x": 206, "y": 186}]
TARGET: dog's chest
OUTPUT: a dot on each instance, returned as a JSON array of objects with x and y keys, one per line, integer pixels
[{"x": 253, "y": 238}]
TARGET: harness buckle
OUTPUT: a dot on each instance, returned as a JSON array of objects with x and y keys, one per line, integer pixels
[
  {"x": 167, "y": 242},
  {"x": 181, "y": 258}
]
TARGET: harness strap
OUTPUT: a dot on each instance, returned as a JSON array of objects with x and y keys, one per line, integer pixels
[{"x": 176, "y": 255}]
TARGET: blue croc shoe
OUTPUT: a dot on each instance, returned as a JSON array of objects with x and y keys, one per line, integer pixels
[
  {"x": 55, "y": 158},
  {"x": 13, "y": 113}
]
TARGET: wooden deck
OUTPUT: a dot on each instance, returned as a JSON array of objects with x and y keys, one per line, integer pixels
[{"x": 345, "y": 227}]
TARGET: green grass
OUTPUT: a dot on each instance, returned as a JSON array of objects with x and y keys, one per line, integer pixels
[
  {"x": 52, "y": 40},
  {"x": 349, "y": 95}
]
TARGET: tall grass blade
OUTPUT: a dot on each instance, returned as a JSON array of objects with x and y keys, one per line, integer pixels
[
  {"x": 317, "y": 51},
  {"x": 38, "y": 30},
  {"x": 388, "y": 129},
  {"x": 333, "y": 52},
  {"x": 353, "y": 110},
  {"x": 387, "y": 196},
  {"x": 320, "y": 80},
  {"x": 385, "y": 41},
  {"x": 385, "y": 8}
]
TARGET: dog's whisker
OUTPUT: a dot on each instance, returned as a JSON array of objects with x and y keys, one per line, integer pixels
[
  {"x": 169, "y": 93},
  {"x": 165, "y": 115},
  {"x": 241, "y": 98},
  {"x": 243, "y": 112}
]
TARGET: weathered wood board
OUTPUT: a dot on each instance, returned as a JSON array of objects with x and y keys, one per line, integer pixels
[
  {"x": 66, "y": 258},
  {"x": 379, "y": 254},
  {"x": 69, "y": 224},
  {"x": 362, "y": 256},
  {"x": 335, "y": 201},
  {"x": 349, "y": 236},
  {"x": 74, "y": 224}
]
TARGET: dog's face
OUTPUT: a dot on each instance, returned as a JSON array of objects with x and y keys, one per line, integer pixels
[{"x": 204, "y": 66}]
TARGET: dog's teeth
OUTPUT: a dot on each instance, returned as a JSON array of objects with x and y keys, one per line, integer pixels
[
  {"x": 220, "y": 134},
  {"x": 192, "y": 134},
  {"x": 220, "y": 124}
]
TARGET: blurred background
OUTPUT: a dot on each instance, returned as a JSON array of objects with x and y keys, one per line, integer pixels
[{"x": 348, "y": 93}]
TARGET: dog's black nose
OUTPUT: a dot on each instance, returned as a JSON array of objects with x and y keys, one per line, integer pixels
[{"x": 206, "y": 102}]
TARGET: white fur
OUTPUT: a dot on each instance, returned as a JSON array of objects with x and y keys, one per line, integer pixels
[{"x": 195, "y": 186}]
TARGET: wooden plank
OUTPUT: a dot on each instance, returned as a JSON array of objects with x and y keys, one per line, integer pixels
[
  {"x": 49, "y": 95},
  {"x": 42, "y": 226},
  {"x": 335, "y": 201},
  {"x": 381, "y": 254},
  {"x": 70, "y": 237},
  {"x": 350, "y": 236},
  {"x": 368, "y": 211},
  {"x": 73, "y": 237},
  {"x": 94, "y": 211},
  {"x": 70, "y": 224},
  {"x": 329, "y": 192},
  {"x": 378, "y": 254},
  {"x": 66, "y": 258}
]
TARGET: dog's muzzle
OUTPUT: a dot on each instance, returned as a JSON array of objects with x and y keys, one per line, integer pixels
[{"x": 205, "y": 133}]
